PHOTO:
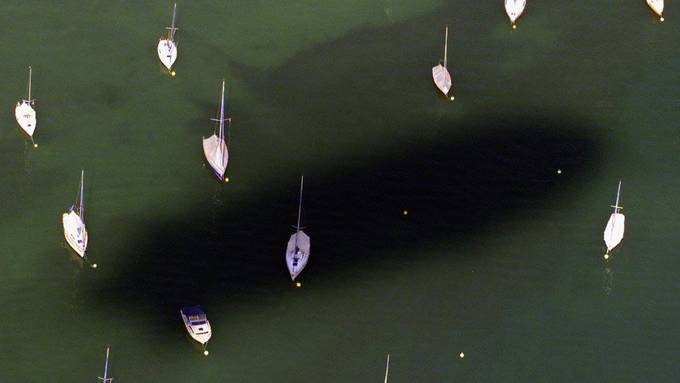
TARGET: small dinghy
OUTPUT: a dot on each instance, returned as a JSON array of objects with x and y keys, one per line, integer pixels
[
  {"x": 613, "y": 233},
  {"x": 74, "y": 223},
  {"x": 106, "y": 378},
  {"x": 514, "y": 9},
  {"x": 440, "y": 73},
  {"x": 215, "y": 147},
  {"x": 24, "y": 112},
  {"x": 657, "y": 7},
  {"x": 297, "y": 251},
  {"x": 197, "y": 325},
  {"x": 167, "y": 48}
]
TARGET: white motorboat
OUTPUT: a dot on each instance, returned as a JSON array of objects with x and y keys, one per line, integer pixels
[
  {"x": 514, "y": 9},
  {"x": 106, "y": 378},
  {"x": 167, "y": 48},
  {"x": 297, "y": 251},
  {"x": 215, "y": 147},
  {"x": 657, "y": 7},
  {"x": 440, "y": 73},
  {"x": 197, "y": 325},
  {"x": 74, "y": 223},
  {"x": 613, "y": 233},
  {"x": 24, "y": 112}
]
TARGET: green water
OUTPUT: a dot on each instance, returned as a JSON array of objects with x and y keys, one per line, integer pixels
[{"x": 499, "y": 257}]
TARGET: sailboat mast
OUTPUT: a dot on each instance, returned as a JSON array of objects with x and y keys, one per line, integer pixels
[
  {"x": 446, "y": 45},
  {"x": 81, "y": 208},
  {"x": 618, "y": 193},
  {"x": 387, "y": 367},
  {"x": 172, "y": 28},
  {"x": 302, "y": 182},
  {"x": 30, "y": 73},
  {"x": 106, "y": 379},
  {"x": 221, "y": 133}
]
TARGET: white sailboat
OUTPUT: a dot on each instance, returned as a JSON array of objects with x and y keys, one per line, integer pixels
[
  {"x": 197, "y": 325},
  {"x": 74, "y": 223},
  {"x": 613, "y": 233},
  {"x": 440, "y": 73},
  {"x": 514, "y": 9},
  {"x": 106, "y": 378},
  {"x": 24, "y": 112},
  {"x": 387, "y": 367},
  {"x": 215, "y": 147},
  {"x": 297, "y": 251},
  {"x": 657, "y": 7},
  {"x": 167, "y": 48}
]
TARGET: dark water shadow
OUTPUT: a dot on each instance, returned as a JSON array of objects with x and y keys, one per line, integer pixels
[
  {"x": 454, "y": 188},
  {"x": 478, "y": 171}
]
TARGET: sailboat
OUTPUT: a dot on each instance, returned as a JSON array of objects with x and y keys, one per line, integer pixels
[
  {"x": 215, "y": 146},
  {"x": 387, "y": 367},
  {"x": 514, "y": 9},
  {"x": 167, "y": 49},
  {"x": 440, "y": 74},
  {"x": 613, "y": 233},
  {"x": 74, "y": 223},
  {"x": 297, "y": 251},
  {"x": 106, "y": 378},
  {"x": 657, "y": 7},
  {"x": 197, "y": 325},
  {"x": 24, "y": 112}
]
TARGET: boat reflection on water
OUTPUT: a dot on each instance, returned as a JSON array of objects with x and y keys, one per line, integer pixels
[{"x": 607, "y": 280}]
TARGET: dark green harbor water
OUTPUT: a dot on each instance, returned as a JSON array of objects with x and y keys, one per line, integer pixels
[{"x": 499, "y": 256}]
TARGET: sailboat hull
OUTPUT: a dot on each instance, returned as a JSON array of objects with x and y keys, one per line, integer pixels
[
  {"x": 297, "y": 253},
  {"x": 442, "y": 79},
  {"x": 613, "y": 233},
  {"x": 217, "y": 155},
  {"x": 75, "y": 232},
  {"x": 167, "y": 52},
  {"x": 514, "y": 9},
  {"x": 656, "y": 6},
  {"x": 26, "y": 117}
]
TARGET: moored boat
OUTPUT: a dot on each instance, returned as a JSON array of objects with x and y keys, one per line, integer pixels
[
  {"x": 514, "y": 9},
  {"x": 197, "y": 325},
  {"x": 167, "y": 47}
]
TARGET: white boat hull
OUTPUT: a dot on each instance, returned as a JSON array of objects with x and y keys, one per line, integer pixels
[
  {"x": 167, "y": 52},
  {"x": 217, "y": 155},
  {"x": 75, "y": 232},
  {"x": 657, "y": 7},
  {"x": 25, "y": 115},
  {"x": 199, "y": 333},
  {"x": 613, "y": 233},
  {"x": 297, "y": 253},
  {"x": 514, "y": 9},
  {"x": 442, "y": 79}
]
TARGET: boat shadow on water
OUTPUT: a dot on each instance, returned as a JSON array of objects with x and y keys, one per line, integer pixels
[{"x": 456, "y": 188}]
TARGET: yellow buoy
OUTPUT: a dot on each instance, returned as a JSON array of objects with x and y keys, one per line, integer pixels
[
  {"x": 405, "y": 212},
  {"x": 35, "y": 145},
  {"x": 462, "y": 355},
  {"x": 514, "y": 26},
  {"x": 173, "y": 73},
  {"x": 452, "y": 98},
  {"x": 298, "y": 284},
  {"x": 661, "y": 19},
  {"x": 226, "y": 179},
  {"x": 559, "y": 171},
  {"x": 206, "y": 353},
  {"x": 606, "y": 256}
]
